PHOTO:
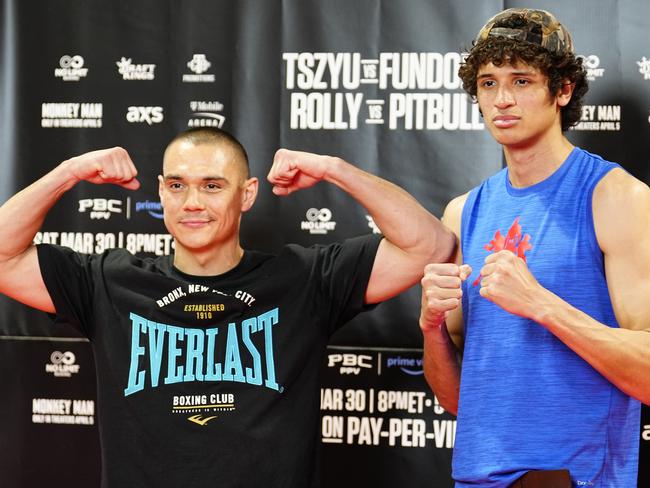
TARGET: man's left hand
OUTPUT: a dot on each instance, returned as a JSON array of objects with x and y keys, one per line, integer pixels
[
  {"x": 296, "y": 170},
  {"x": 507, "y": 282}
]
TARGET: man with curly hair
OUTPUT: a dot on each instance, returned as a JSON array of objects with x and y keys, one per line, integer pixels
[{"x": 547, "y": 297}]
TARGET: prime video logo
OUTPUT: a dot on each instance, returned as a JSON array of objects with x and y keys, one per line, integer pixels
[
  {"x": 153, "y": 208},
  {"x": 410, "y": 366}
]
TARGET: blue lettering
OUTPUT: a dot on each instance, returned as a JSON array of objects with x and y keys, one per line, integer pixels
[
  {"x": 194, "y": 355},
  {"x": 232, "y": 370},
  {"x": 268, "y": 320},
  {"x": 156, "y": 337},
  {"x": 213, "y": 370},
  {"x": 254, "y": 374},
  {"x": 174, "y": 374},
  {"x": 136, "y": 379}
]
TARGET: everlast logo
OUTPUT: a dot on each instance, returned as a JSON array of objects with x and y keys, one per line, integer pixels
[{"x": 199, "y": 354}]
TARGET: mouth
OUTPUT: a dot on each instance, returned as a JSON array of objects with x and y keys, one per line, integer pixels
[
  {"x": 194, "y": 223},
  {"x": 505, "y": 121}
]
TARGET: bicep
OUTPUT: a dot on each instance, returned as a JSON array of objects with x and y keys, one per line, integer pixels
[
  {"x": 21, "y": 279},
  {"x": 621, "y": 207},
  {"x": 393, "y": 271},
  {"x": 452, "y": 219},
  {"x": 629, "y": 289}
]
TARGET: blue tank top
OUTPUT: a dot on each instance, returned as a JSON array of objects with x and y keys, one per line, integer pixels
[{"x": 527, "y": 401}]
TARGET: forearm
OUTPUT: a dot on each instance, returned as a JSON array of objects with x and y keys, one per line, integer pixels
[
  {"x": 620, "y": 355},
  {"x": 441, "y": 366},
  {"x": 23, "y": 214},
  {"x": 401, "y": 219}
]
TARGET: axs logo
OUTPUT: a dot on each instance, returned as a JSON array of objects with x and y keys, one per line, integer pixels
[{"x": 150, "y": 115}]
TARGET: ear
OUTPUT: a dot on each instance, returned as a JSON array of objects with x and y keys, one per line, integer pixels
[
  {"x": 564, "y": 93},
  {"x": 249, "y": 193},
  {"x": 161, "y": 186}
]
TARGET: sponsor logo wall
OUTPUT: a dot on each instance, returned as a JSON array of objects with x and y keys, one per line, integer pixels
[{"x": 385, "y": 96}]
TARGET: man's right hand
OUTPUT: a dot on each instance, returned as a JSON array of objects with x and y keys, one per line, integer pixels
[
  {"x": 441, "y": 292},
  {"x": 112, "y": 165}
]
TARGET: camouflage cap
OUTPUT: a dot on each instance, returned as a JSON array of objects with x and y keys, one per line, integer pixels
[{"x": 537, "y": 27}]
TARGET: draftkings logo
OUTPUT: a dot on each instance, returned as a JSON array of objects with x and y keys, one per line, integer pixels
[
  {"x": 135, "y": 72},
  {"x": 100, "y": 208},
  {"x": 149, "y": 115},
  {"x": 644, "y": 67},
  {"x": 198, "y": 65},
  {"x": 592, "y": 65},
  {"x": 62, "y": 364},
  {"x": 206, "y": 114},
  {"x": 72, "y": 115},
  {"x": 71, "y": 68},
  {"x": 319, "y": 221}
]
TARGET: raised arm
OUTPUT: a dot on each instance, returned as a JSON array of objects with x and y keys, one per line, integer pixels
[
  {"x": 621, "y": 205},
  {"x": 441, "y": 318},
  {"x": 413, "y": 237},
  {"x": 22, "y": 216}
]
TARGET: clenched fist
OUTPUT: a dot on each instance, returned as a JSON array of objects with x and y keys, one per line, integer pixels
[
  {"x": 112, "y": 165},
  {"x": 441, "y": 292},
  {"x": 507, "y": 282},
  {"x": 296, "y": 170}
]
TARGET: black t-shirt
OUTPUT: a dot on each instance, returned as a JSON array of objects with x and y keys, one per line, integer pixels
[{"x": 209, "y": 381}]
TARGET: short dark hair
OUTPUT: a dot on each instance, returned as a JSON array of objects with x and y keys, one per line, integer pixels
[
  {"x": 213, "y": 135},
  {"x": 557, "y": 67}
]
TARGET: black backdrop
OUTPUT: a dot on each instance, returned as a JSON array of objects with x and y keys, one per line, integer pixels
[{"x": 371, "y": 81}]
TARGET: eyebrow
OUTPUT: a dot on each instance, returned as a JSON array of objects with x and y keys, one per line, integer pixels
[
  {"x": 173, "y": 177},
  {"x": 512, "y": 73}
]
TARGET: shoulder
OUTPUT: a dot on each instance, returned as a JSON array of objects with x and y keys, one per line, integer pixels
[
  {"x": 356, "y": 241},
  {"x": 454, "y": 211},
  {"x": 621, "y": 205},
  {"x": 116, "y": 259},
  {"x": 356, "y": 251}
]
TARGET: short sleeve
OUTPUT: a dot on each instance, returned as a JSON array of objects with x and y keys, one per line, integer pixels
[
  {"x": 345, "y": 272},
  {"x": 68, "y": 278}
]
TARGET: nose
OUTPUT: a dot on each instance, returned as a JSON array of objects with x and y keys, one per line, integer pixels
[
  {"x": 193, "y": 200},
  {"x": 504, "y": 97}
]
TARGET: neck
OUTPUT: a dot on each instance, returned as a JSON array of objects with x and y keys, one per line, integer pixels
[
  {"x": 209, "y": 262},
  {"x": 528, "y": 165}
]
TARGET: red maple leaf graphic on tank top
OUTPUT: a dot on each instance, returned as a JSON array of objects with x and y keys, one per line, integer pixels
[{"x": 512, "y": 241}]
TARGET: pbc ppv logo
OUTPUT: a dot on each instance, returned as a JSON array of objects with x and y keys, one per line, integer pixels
[
  {"x": 62, "y": 364},
  {"x": 592, "y": 65},
  {"x": 150, "y": 115},
  {"x": 100, "y": 208},
  {"x": 349, "y": 363},
  {"x": 71, "y": 68},
  {"x": 198, "y": 65},
  {"x": 319, "y": 221}
]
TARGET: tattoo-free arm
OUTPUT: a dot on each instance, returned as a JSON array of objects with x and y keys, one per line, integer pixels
[{"x": 23, "y": 214}]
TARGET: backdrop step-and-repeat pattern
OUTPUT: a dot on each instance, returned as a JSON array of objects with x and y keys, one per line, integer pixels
[{"x": 371, "y": 81}]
